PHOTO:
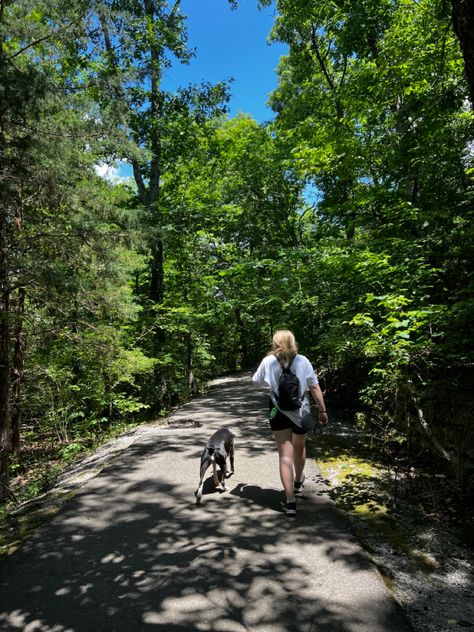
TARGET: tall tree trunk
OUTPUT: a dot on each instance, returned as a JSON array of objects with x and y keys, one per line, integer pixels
[
  {"x": 243, "y": 339},
  {"x": 5, "y": 436},
  {"x": 156, "y": 271},
  {"x": 148, "y": 192},
  {"x": 18, "y": 355},
  {"x": 463, "y": 23},
  {"x": 192, "y": 384},
  {"x": 5, "y": 427},
  {"x": 153, "y": 197}
]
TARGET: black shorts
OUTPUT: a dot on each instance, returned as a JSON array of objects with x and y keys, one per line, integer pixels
[{"x": 281, "y": 422}]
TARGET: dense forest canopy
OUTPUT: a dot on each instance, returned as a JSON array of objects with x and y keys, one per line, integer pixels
[{"x": 347, "y": 218}]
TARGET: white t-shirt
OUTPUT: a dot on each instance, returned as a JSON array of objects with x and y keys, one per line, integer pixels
[{"x": 269, "y": 372}]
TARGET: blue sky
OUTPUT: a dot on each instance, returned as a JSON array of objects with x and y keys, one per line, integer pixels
[{"x": 231, "y": 43}]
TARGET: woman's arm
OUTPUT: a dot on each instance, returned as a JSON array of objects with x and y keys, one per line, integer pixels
[
  {"x": 318, "y": 397},
  {"x": 258, "y": 378}
]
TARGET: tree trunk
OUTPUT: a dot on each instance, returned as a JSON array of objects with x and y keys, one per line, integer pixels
[
  {"x": 156, "y": 272},
  {"x": 463, "y": 24},
  {"x": 5, "y": 432},
  {"x": 243, "y": 340},
  {"x": 5, "y": 428},
  {"x": 18, "y": 355},
  {"x": 148, "y": 192},
  {"x": 192, "y": 384},
  {"x": 157, "y": 275}
]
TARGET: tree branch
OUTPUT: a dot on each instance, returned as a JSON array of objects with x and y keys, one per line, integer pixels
[
  {"x": 142, "y": 191},
  {"x": 426, "y": 428},
  {"x": 155, "y": 52},
  {"x": 10, "y": 492},
  {"x": 325, "y": 71},
  {"x": 41, "y": 39},
  {"x": 343, "y": 76},
  {"x": 174, "y": 10},
  {"x": 320, "y": 58}
]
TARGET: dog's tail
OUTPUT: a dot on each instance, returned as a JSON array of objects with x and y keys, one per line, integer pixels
[{"x": 210, "y": 450}]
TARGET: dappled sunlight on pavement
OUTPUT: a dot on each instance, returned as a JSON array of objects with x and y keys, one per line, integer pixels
[{"x": 133, "y": 551}]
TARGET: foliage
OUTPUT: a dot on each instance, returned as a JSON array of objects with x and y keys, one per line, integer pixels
[
  {"x": 377, "y": 122},
  {"x": 348, "y": 219}
]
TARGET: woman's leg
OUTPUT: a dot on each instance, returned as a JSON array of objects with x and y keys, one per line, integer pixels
[
  {"x": 285, "y": 454},
  {"x": 299, "y": 455}
]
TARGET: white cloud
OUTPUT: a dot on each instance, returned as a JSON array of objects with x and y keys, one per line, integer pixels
[{"x": 111, "y": 173}]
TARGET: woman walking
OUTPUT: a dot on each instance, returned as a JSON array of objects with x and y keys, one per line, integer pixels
[{"x": 287, "y": 412}]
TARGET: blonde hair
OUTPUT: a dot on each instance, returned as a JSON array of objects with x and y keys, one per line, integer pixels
[{"x": 284, "y": 346}]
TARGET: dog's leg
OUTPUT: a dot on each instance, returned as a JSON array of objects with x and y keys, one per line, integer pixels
[
  {"x": 231, "y": 457},
  {"x": 221, "y": 461},
  {"x": 205, "y": 462},
  {"x": 214, "y": 471},
  {"x": 224, "y": 476}
]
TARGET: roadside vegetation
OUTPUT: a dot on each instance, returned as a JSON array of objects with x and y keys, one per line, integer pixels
[
  {"x": 347, "y": 218},
  {"x": 396, "y": 506}
]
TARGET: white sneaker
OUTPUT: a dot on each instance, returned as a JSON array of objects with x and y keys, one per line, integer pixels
[
  {"x": 289, "y": 508},
  {"x": 299, "y": 486}
]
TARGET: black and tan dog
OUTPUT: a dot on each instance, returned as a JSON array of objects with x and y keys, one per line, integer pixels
[{"x": 218, "y": 448}]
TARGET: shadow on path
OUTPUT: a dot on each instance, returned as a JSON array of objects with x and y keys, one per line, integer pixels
[{"x": 133, "y": 552}]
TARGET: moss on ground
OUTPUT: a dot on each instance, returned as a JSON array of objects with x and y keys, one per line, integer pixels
[
  {"x": 360, "y": 485},
  {"x": 14, "y": 530}
]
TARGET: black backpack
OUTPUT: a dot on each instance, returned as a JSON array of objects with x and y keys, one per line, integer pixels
[{"x": 288, "y": 389}]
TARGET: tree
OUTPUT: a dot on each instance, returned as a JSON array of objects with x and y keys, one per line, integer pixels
[
  {"x": 24, "y": 91},
  {"x": 371, "y": 102},
  {"x": 62, "y": 242},
  {"x": 236, "y": 207},
  {"x": 135, "y": 44},
  {"x": 463, "y": 23}
]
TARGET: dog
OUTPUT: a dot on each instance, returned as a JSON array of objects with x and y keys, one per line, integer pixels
[{"x": 218, "y": 448}]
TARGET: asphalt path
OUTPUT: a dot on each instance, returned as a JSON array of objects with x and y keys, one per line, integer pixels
[{"x": 132, "y": 551}]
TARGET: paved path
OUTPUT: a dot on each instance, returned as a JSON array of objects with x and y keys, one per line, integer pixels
[{"x": 133, "y": 552}]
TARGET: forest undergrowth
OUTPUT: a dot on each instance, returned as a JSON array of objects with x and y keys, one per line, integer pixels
[
  {"x": 43, "y": 463},
  {"x": 412, "y": 518}
]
